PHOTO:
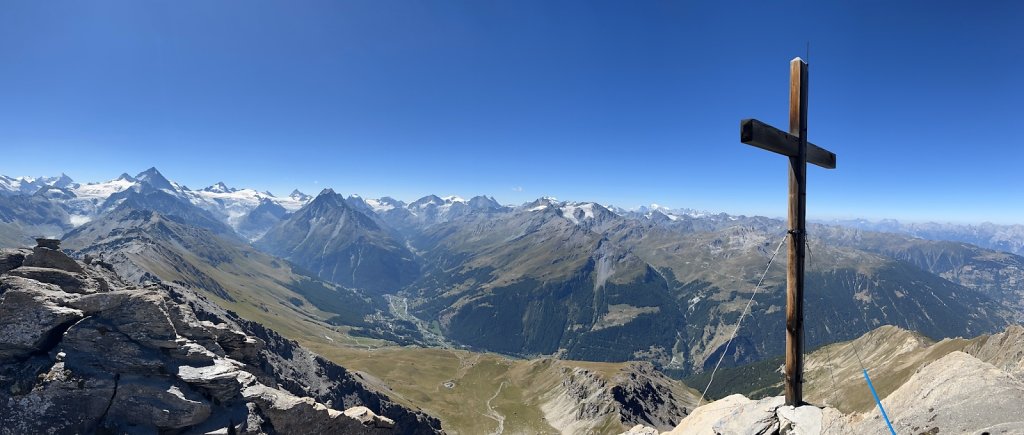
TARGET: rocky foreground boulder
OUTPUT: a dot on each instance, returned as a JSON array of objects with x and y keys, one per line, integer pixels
[
  {"x": 957, "y": 393},
  {"x": 82, "y": 351}
]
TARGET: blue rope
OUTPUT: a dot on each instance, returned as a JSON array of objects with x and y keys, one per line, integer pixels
[{"x": 879, "y": 402}]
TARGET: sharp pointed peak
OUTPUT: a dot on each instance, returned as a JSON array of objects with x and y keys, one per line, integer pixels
[
  {"x": 299, "y": 196},
  {"x": 63, "y": 181},
  {"x": 151, "y": 171},
  {"x": 327, "y": 198},
  {"x": 151, "y": 174}
]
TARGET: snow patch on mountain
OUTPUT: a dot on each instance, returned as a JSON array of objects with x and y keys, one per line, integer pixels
[
  {"x": 453, "y": 199},
  {"x": 542, "y": 203},
  {"x": 228, "y": 204},
  {"x": 379, "y": 206},
  {"x": 101, "y": 191},
  {"x": 576, "y": 212},
  {"x": 220, "y": 187}
]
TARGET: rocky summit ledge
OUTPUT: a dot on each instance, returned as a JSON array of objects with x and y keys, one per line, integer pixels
[
  {"x": 738, "y": 414},
  {"x": 82, "y": 351},
  {"x": 957, "y": 393}
]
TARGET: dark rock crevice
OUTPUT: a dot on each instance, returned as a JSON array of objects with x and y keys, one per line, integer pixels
[
  {"x": 103, "y": 417},
  {"x": 53, "y": 338}
]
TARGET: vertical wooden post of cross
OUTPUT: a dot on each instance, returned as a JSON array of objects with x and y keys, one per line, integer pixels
[
  {"x": 800, "y": 152},
  {"x": 797, "y": 233}
]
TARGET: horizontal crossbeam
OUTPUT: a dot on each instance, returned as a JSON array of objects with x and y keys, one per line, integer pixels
[{"x": 764, "y": 136}]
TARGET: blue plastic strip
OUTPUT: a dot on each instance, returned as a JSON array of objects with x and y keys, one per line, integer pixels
[{"x": 879, "y": 402}]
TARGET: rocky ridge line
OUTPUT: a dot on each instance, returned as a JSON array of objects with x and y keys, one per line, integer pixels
[{"x": 83, "y": 351}]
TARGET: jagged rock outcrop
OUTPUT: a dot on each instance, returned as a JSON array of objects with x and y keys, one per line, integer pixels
[
  {"x": 82, "y": 351},
  {"x": 48, "y": 255},
  {"x": 641, "y": 430},
  {"x": 1004, "y": 350},
  {"x": 291, "y": 414},
  {"x": 638, "y": 394}
]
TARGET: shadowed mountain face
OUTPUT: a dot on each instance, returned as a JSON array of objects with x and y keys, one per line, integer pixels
[
  {"x": 165, "y": 203},
  {"x": 536, "y": 283},
  {"x": 998, "y": 275},
  {"x": 849, "y": 290},
  {"x": 261, "y": 219},
  {"x": 340, "y": 244},
  {"x": 577, "y": 280},
  {"x": 23, "y": 217}
]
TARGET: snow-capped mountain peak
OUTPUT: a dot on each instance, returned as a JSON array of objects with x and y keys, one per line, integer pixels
[
  {"x": 542, "y": 203},
  {"x": 378, "y": 205},
  {"x": 580, "y": 212},
  {"x": 452, "y": 199},
  {"x": 64, "y": 181},
  {"x": 299, "y": 196},
  {"x": 484, "y": 203},
  {"x": 220, "y": 187},
  {"x": 15, "y": 185},
  {"x": 659, "y": 216},
  {"x": 31, "y": 185},
  {"x": 660, "y": 212},
  {"x": 385, "y": 203},
  {"x": 154, "y": 178},
  {"x": 426, "y": 201},
  {"x": 577, "y": 212},
  {"x": 233, "y": 204}
]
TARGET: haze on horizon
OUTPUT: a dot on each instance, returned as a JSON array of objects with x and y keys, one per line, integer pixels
[{"x": 623, "y": 104}]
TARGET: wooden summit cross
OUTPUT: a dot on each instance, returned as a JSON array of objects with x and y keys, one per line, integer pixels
[{"x": 800, "y": 152}]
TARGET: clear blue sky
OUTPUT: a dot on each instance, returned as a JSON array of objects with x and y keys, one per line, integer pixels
[{"x": 619, "y": 102}]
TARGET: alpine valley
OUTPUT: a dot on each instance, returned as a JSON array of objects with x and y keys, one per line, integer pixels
[{"x": 471, "y": 315}]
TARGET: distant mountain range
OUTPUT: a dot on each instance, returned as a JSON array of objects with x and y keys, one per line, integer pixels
[
  {"x": 234, "y": 206},
  {"x": 1006, "y": 238},
  {"x": 578, "y": 280},
  {"x": 228, "y": 207}
]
